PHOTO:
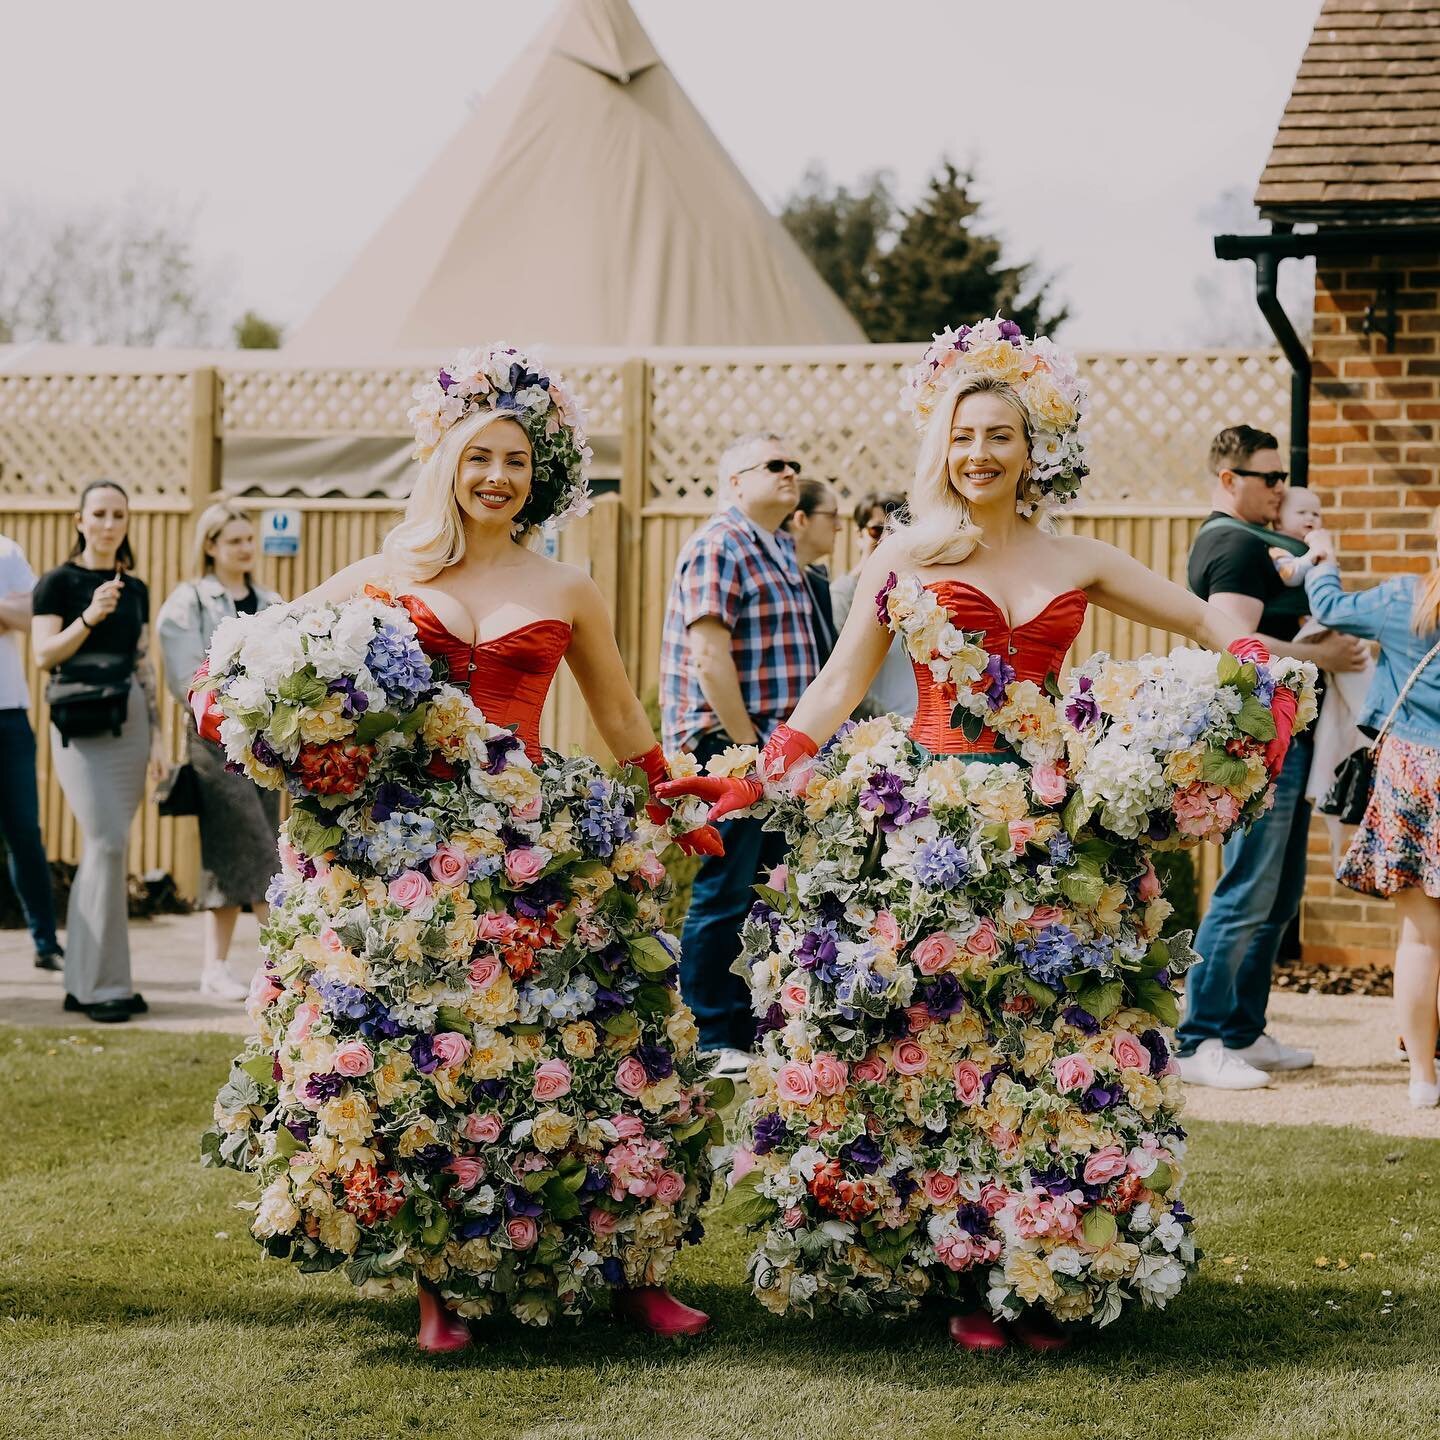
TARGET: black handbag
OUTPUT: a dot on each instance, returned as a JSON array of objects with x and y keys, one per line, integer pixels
[
  {"x": 178, "y": 793},
  {"x": 1349, "y": 794},
  {"x": 91, "y": 696}
]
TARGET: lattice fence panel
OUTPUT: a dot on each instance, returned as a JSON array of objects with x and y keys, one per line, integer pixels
[
  {"x": 1151, "y": 419},
  {"x": 57, "y": 432}
]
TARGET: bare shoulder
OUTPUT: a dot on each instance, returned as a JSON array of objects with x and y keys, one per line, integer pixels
[
  {"x": 570, "y": 586},
  {"x": 1079, "y": 561}
]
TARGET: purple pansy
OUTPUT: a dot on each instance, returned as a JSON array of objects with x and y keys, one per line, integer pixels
[{"x": 1082, "y": 709}]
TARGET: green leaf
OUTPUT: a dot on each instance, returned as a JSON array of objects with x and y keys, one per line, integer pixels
[
  {"x": 971, "y": 726},
  {"x": 1160, "y": 1179},
  {"x": 1040, "y": 994},
  {"x": 1082, "y": 887},
  {"x": 1218, "y": 768},
  {"x": 623, "y": 1022},
  {"x": 1052, "y": 686},
  {"x": 373, "y": 724},
  {"x": 1152, "y": 996},
  {"x": 452, "y": 1019},
  {"x": 284, "y": 726},
  {"x": 1247, "y": 679},
  {"x": 304, "y": 687},
  {"x": 311, "y": 836},
  {"x": 560, "y": 1200},
  {"x": 1099, "y": 1228},
  {"x": 1255, "y": 720},
  {"x": 775, "y": 899},
  {"x": 1075, "y": 815},
  {"x": 721, "y": 1091},
  {"x": 1101, "y": 1000},
  {"x": 649, "y": 956},
  {"x": 537, "y": 1180},
  {"x": 1228, "y": 670},
  {"x": 286, "y": 1144},
  {"x": 414, "y": 721},
  {"x": 260, "y": 1068}
]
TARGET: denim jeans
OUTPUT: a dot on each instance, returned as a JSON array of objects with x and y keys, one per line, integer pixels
[
  {"x": 20, "y": 825},
  {"x": 721, "y": 898},
  {"x": 1258, "y": 896}
]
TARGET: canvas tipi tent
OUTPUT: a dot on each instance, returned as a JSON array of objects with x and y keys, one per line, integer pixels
[{"x": 584, "y": 203}]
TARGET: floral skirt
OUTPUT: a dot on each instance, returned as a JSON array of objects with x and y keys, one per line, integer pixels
[
  {"x": 1397, "y": 846},
  {"x": 965, "y": 1085},
  {"x": 471, "y": 1060}
]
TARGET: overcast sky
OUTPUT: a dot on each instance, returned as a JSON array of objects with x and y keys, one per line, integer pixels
[{"x": 1100, "y": 131}]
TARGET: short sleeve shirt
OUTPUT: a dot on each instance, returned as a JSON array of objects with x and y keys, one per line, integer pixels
[
  {"x": 16, "y": 578},
  {"x": 749, "y": 579},
  {"x": 1228, "y": 560},
  {"x": 66, "y": 591}
]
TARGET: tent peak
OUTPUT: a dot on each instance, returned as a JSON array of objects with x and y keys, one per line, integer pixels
[{"x": 606, "y": 36}]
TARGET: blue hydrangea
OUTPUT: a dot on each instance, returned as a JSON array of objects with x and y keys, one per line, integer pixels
[
  {"x": 403, "y": 842},
  {"x": 577, "y": 999},
  {"x": 941, "y": 864},
  {"x": 399, "y": 665},
  {"x": 1051, "y": 955},
  {"x": 603, "y": 821}
]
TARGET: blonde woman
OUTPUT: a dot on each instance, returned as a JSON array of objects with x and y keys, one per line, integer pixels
[
  {"x": 238, "y": 821},
  {"x": 1396, "y": 851}
]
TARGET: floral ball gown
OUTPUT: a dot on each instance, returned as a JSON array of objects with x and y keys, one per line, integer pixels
[
  {"x": 965, "y": 1085},
  {"x": 471, "y": 1060}
]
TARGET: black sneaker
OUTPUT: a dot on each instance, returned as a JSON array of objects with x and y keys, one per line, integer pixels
[{"x": 50, "y": 960}]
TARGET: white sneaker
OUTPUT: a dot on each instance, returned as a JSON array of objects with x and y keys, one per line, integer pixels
[
  {"x": 730, "y": 1061},
  {"x": 1212, "y": 1064},
  {"x": 1267, "y": 1053},
  {"x": 219, "y": 984},
  {"x": 1424, "y": 1096}
]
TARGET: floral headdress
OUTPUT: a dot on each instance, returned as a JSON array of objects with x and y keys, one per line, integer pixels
[
  {"x": 504, "y": 378},
  {"x": 1043, "y": 376}
]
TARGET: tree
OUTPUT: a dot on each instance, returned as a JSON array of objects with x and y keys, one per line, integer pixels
[
  {"x": 254, "y": 332},
  {"x": 1226, "y": 312},
  {"x": 905, "y": 273},
  {"x": 125, "y": 274}
]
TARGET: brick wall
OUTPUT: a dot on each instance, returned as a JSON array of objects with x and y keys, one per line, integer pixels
[{"x": 1375, "y": 462}]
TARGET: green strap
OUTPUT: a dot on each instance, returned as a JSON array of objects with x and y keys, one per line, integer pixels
[{"x": 1258, "y": 532}]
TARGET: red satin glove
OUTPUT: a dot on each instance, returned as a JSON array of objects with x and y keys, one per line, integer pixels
[
  {"x": 704, "y": 841},
  {"x": 1249, "y": 648},
  {"x": 783, "y": 751},
  {"x": 1283, "y": 706},
  {"x": 203, "y": 707}
]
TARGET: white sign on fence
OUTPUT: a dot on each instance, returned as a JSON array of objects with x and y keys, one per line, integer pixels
[{"x": 280, "y": 532}]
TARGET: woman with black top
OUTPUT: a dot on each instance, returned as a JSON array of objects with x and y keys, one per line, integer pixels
[
  {"x": 238, "y": 821},
  {"x": 88, "y": 608}
]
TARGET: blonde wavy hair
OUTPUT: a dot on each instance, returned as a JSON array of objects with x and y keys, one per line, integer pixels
[
  {"x": 431, "y": 536},
  {"x": 1426, "y": 615},
  {"x": 938, "y": 529},
  {"x": 213, "y": 519}
]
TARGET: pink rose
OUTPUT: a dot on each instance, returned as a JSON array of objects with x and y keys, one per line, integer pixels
[
  {"x": 910, "y": 1057},
  {"x": 887, "y": 929},
  {"x": 794, "y": 997},
  {"x": 305, "y": 1016},
  {"x": 652, "y": 869},
  {"x": 742, "y": 1162},
  {"x": 1043, "y": 915},
  {"x": 630, "y": 1076},
  {"x": 793, "y": 1218},
  {"x": 353, "y": 1058},
  {"x": 831, "y": 1075},
  {"x": 530, "y": 810},
  {"x": 918, "y": 1017},
  {"x": 523, "y": 867},
  {"x": 779, "y": 877},
  {"x": 1048, "y": 784},
  {"x": 983, "y": 940},
  {"x": 451, "y": 1049},
  {"x": 628, "y": 1127},
  {"x": 551, "y": 1081},
  {"x": 522, "y": 1231},
  {"x": 602, "y": 1222},
  {"x": 795, "y": 1083},
  {"x": 871, "y": 1070},
  {"x": 484, "y": 971},
  {"x": 669, "y": 1187},
  {"x": 1104, "y": 1165},
  {"x": 481, "y": 1129},
  {"x": 468, "y": 1172},
  {"x": 331, "y": 941},
  {"x": 1129, "y": 1053},
  {"x": 290, "y": 857},
  {"x": 934, "y": 954},
  {"x": 1022, "y": 832},
  {"x": 495, "y": 925},
  {"x": 410, "y": 890},
  {"x": 1073, "y": 1072},
  {"x": 969, "y": 1083},
  {"x": 265, "y": 990},
  {"x": 1148, "y": 888},
  {"x": 939, "y": 1187},
  {"x": 449, "y": 865},
  {"x": 994, "y": 1197}
]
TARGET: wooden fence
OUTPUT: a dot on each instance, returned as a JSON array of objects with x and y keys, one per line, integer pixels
[{"x": 659, "y": 423}]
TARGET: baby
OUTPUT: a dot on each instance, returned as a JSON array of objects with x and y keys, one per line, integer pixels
[{"x": 1299, "y": 515}]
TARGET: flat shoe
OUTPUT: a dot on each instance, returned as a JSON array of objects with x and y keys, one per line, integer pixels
[
  {"x": 108, "y": 1012},
  {"x": 976, "y": 1331},
  {"x": 1040, "y": 1335}
]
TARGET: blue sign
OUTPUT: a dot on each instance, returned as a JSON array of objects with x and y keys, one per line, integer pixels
[{"x": 280, "y": 532}]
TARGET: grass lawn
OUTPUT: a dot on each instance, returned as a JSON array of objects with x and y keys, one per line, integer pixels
[{"x": 132, "y": 1302}]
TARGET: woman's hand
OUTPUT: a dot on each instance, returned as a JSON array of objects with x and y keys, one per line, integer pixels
[
  {"x": 103, "y": 602},
  {"x": 159, "y": 764},
  {"x": 724, "y": 794}
]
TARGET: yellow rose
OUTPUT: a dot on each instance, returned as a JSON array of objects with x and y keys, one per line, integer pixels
[
  {"x": 325, "y": 721},
  {"x": 493, "y": 1056},
  {"x": 338, "y": 1231},
  {"x": 1184, "y": 766},
  {"x": 1115, "y": 1261},
  {"x": 347, "y": 1117},
  {"x": 417, "y": 1137},
  {"x": 552, "y": 1130},
  {"x": 1030, "y": 1276},
  {"x": 999, "y": 358},
  {"x": 392, "y": 1080},
  {"x": 1141, "y": 1091},
  {"x": 680, "y": 1031},
  {"x": 580, "y": 1040},
  {"x": 1047, "y": 404},
  {"x": 943, "y": 783}
]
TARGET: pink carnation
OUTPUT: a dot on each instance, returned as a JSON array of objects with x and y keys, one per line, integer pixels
[
  {"x": 628, "y": 1127},
  {"x": 602, "y": 1222},
  {"x": 495, "y": 925},
  {"x": 652, "y": 869},
  {"x": 887, "y": 929},
  {"x": 1048, "y": 784},
  {"x": 742, "y": 1162},
  {"x": 1148, "y": 887},
  {"x": 959, "y": 1250}
]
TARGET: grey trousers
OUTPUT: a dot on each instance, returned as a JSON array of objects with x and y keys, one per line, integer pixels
[{"x": 103, "y": 778}]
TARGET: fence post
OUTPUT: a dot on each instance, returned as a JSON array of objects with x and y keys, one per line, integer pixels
[
  {"x": 204, "y": 438},
  {"x": 634, "y": 491}
]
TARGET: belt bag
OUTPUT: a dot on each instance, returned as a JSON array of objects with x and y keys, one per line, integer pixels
[{"x": 91, "y": 697}]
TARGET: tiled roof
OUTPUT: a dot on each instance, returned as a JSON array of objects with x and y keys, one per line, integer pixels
[{"x": 1361, "y": 131}]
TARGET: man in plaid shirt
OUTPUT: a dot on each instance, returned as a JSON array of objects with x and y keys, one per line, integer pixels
[{"x": 738, "y": 653}]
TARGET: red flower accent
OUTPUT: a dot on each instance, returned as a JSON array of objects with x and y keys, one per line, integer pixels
[
  {"x": 335, "y": 768},
  {"x": 845, "y": 1199},
  {"x": 370, "y": 1197}
]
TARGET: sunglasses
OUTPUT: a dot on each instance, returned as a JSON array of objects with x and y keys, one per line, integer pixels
[
  {"x": 1272, "y": 478},
  {"x": 775, "y": 467},
  {"x": 875, "y": 532}
]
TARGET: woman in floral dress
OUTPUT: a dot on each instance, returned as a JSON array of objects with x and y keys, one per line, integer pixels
[
  {"x": 472, "y": 1062},
  {"x": 965, "y": 1086}
]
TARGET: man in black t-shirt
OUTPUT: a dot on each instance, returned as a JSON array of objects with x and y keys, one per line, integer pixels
[{"x": 1223, "y": 1041}]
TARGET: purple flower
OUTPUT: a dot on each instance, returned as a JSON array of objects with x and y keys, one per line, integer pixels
[
  {"x": 354, "y": 701},
  {"x": 349, "y": 1002},
  {"x": 973, "y": 1219},
  {"x": 519, "y": 1201},
  {"x": 1081, "y": 1019},
  {"x": 769, "y": 1132},
  {"x": 446, "y": 380},
  {"x": 265, "y": 753},
  {"x": 478, "y": 1227},
  {"x": 1098, "y": 1098},
  {"x": 818, "y": 951},
  {"x": 864, "y": 1154},
  {"x": 324, "y": 1087},
  {"x": 1062, "y": 849},
  {"x": 998, "y": 674},
  {"x": 1154, "y": 1042},
  {"x": 1082, "y": 710},
  {"x": 1010, "y": 331},
  {"x": 882, "y": 599},
  {"x": 656, "y": 1059},
  {"x": 942, "y": 997},
  {"x": 391, "y": 796},
  {"x": 422, "y": 1054},
  {"x": 498, "y": 750},
  {"x": 883, "y": 795}
]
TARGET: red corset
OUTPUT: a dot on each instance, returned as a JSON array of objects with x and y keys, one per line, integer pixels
[
  {"x": 508, "y": 677},
  {"x": 1035, "y": 649}
]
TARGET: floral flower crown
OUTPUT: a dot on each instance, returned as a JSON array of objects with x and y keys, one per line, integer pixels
[
  {"x": 504, "y": 378},
  {"x": 1043, "y": 376}
]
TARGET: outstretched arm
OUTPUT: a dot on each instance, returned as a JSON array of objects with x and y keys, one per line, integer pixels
[
  {"x": 594, "y": 660},
  {"x": 343, "y": 585}
]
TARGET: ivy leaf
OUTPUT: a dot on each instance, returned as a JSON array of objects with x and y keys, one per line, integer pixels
[
  {"x": 649, "y": 956},
  {"x": 1161, "y": 1003}
]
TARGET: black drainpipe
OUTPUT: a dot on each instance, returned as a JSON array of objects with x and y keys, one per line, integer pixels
[{"x": 1267, "y": 297}]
